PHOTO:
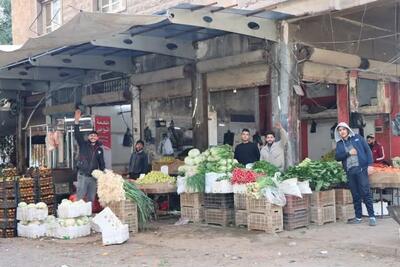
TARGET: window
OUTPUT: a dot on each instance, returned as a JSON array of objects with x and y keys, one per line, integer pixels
[
  {"x": 52, "y": 15},
  {"x": 111, "y": 6}
]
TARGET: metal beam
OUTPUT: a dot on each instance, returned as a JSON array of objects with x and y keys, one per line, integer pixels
[
  {"x": 230, "y": 22},
  {"x": 41, "y": 74},
  {"x": 360, "y": 24},
  {"x": 24, "y": 85},
  {"x": 99, "y": 62},
  {"x": 170, "y": 47}
]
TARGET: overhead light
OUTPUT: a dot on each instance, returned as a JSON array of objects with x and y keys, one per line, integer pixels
[
  {"x": 82, "y": 119},
  {"x": 221, "y": 124},
  {"x": 234, "y": 91}
]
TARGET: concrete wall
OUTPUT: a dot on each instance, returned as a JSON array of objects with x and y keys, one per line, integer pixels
[{"x": 23, "y": 15}]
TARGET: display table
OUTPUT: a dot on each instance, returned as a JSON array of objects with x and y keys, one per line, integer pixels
[
  {"x": 384, "y": 180},
  {"x": 157, "y": 190}
]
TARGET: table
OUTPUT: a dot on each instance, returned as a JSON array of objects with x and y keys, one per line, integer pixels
[
  {"x": 381, "y": 180},
  {"x": 159, "y": 189}
]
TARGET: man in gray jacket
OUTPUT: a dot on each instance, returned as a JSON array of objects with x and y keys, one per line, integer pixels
[{"x": 274, "y": 151}]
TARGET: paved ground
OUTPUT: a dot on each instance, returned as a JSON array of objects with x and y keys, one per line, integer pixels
[{"x": 201, "y": 245}]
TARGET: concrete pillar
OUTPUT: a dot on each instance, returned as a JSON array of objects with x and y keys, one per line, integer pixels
[
  {"x": 21, "y": 140},
  {"x": 342, "y": 100},
  {"x": 200, "y": 110},
  {"x": 136, "y": 114}
]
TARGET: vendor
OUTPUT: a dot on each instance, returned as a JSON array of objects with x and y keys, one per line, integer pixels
[
  {"x": 274, "y": 151},
  {"x": 246, "y": 152},
  {"x": 139, "y": 162},
  {"x": 378, "y": 153}
]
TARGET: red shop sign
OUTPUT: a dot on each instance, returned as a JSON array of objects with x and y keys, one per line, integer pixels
[{"x": 102, "y": 125}]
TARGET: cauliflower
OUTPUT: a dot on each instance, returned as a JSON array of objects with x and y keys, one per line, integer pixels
[{"x": 110, "y": 186}]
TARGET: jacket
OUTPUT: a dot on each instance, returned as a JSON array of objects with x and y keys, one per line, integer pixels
[
  {"x": 276, "y": 153},
  {"x": 138, "y": 163},
  {"x": 91, "y": 157},
  {"x": 358, "y": 142},
  {"x": 378, "y": 153}
]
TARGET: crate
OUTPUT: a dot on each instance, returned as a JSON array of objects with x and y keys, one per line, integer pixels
[
  {"x": 219, "y": 201},
  {"x": 8, "y": 233},
  {"x": 8, "y": 213},
  {"x": 8, "y": 223},
  {"x": 28, "y": 200},
  {"x": 343, "y": 196},
  {"x": 258, "y": 205},
  {"x": 240, "y": 201},
  {"x": 297, "y": 219},
  {"x": 126, "y": 211},
  {"x": 322, "y": 215},
  {"x": 62, "y": 188},
  {"x": 345, "y": 212},
  {"x": 241, "y": 217},
  {"x": 46, "y": 190},
  {"x": 294, "y": 204},
  {"x": 8, "y": 193},
  {"x": 8, "y": 184},
  {"x": 26, "y": 192},
  {"x": 323, "y": 198},
  {"x": 194, "y": 200},
  {"x": 8, "y": 203},
  {"x": 26, "y": 183},
  {"x": 270, "y": 222},
  {"x": 44, "y": 181},
  {"x": 223, "y": 217},
  {"x": 193, "y": 214}
]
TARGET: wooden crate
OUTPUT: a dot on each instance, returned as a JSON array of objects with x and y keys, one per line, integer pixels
[
  {"x": 343, "y": 196},
  {"x": 241, "y": 217},
  {"x": 194, "y": 215},
  {"x": 219, "y": 201},
  {"x": 240, "y": 201},
  {"x": 223, "y": 217},
  {"x": 258, "y": 205},
  {"x": 345, "y": 212},
  {"x": 322, "y": 215},
  {"x": 298, "y": 219},
  {"x": 8, "y": 233},
  {"x": 294, "y": 204},
  {"x": 8, "y": 213},
  {"x": 270, "y": 222},
  {"x": 323, "y": 198},
  {"x": 194, "y": 200},
  {"x": 126, "y": 211}
]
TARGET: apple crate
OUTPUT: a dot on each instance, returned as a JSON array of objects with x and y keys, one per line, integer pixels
[
  {"x": 193, "y": 214},
  {"x": 343, "y": 196},
  {"x": 345, "y": 212},
  {"x": 297, "y": 219},
  {"x": 294, "y": 203},
  {"x": 270, "y": 222},
  {"x": 241, "y": 217},
  {"x": 222, "y": 217},
  {"x": 261, "y": 205},
  {"x": 8, "y": 233},
  {"x": 219, "y": 201},
  {"x": 126, "y": 211},
  {"x": 323, "y": 198},
  {"x": 194, "y": 200},
  {"x": 240, "y": 201},
  {"x": 323, "y": 215}
]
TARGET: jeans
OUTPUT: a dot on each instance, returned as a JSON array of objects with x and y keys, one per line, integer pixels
[
  {"x": 87, "y": 186},
  {"x": 360, "y": 190}
]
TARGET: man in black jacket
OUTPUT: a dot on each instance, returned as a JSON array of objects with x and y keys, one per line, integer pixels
[
  {"x": 247, "y": 152},
  {"x": 91, "y": 157},
  {"x": 139, "y": 162}
]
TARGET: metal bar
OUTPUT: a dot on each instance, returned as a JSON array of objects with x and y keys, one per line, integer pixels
[
  {"x": 30, "y": 146},
  {"x": 82, "y": 51},
  {"x": 48, "y": 152},
  {"x": 202, "y": 6},
  {"x": 151, "y": 29},
  {"x": 67, "y": 48},
  {"x": 209, "y": 36},
  {"x": 381, "y": 197},
  {"x": 184, "y": 32},
  {"x": 67, "y": 143},
  {"x": 113, "y": 53},
  {"x": 255, "y": 12},
  {"x": 222, "y": 8},
  {"x": 72, "y": 147}
]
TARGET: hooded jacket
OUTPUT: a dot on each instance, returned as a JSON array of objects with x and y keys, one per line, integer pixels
[{"x": 357, "y": 141}]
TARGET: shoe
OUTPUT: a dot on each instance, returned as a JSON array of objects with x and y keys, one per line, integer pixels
[
  {"x": 372, "y": 221},
  {"x": 354, "y": 221}
]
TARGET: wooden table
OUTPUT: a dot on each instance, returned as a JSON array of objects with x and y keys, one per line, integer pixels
[
  {"x": 383, "y": 180},
  {"x": 159, "y": 189}
]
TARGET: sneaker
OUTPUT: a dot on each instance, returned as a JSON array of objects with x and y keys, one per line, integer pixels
[
  {"x": 354, "y": 221},
  {"x": 372, "y": 221}
]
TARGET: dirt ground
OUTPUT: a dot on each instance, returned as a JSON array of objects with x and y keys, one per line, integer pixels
[{"x": 202, "y": 245}]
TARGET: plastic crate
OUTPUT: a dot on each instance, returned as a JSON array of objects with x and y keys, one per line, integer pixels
[
  {"x": 219, "y": 201},
  {"x": 44, "y": 181},
  {"x": 6, "y": 223},
  {"x": 8, "y": 233},
  {"x": 194, "y": 200},
  {"x": 193, "y": 214},
  {"x": 8, "y": 213},
  {"x": 62, "y": 188},
  {"x": 295, "y": 220},
  {"x": 323, "y": 198},
  {"x": 127, "y": 213},
  {"x": 343, "y": 196},
  {"x": 26, "y": 192},
  {"x": 322, "y": 215},
  {"x": 26, "y": 183},
  {"x": 223, "y": 217},
  {"x": 345, "y": 212},
  {"x": 271, "y": 222},
  {"x": 241, "y": 217},
  {"x": 294, "y": 204},
  {"x": 240, "y": 201},
  {"x": 28, "y": 199},
  {"x": 258, "y": 205},
  {"x": 8, "y": 184}
]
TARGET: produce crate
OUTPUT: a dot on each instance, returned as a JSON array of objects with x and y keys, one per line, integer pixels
[
  {"x": 343, "y": 196},
  {"x": 126, "y": 211},
  {"x": 219, "y": 201},
  {"x": 194, "y": 200},
  {"x": 46, "y": 190},
  {"x": 172, "y": 167},
  {"x": 8, "y": 233},
  {"x": 345, "y": 212},
  {"x": 240, "y": 201},
  {"x": 194, "y": 215},
  {"x": 294, "y": 204},
  {"x": 270, "y": 222},
  {"x": 26, "y": 183},
  {"x": 223, "y": 217},
  {"x": 8, "y": 193},
  {"x": 62, "y": 188},
  {"x": 28, "y": 200},
  {"x": 297, "y": 219},
  {"x": 52, "y": 209},
  {"x": 322, "y": 215},
  {"x": 323, "y": 198},
  {"x": 6, "y": 223},
  {"x": 241, "y": 217},
  {"x": 7, "y": 184},
  {"x": 44, "y": 181},
  {"x": 8, "y": 213},
  {"x": 49, "y": 199},
  {"x": 26, "y": 192},
  {"x": 258, "y": 205}
]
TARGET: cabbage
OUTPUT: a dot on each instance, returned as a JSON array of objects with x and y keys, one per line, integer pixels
[
  {"x": 189, "y": 161},
  {"x": 34, "y": 222},
  {"x": 24, "y": 222},
  {"x": 182, "y": 168},
  {"x": 61, "y": 222},
  {"x": 193, "y": 153},
  {"x": 66, "y": 201},
  {"x": 50, "y": 219},
  {"x": 69, "y": 222},
  {"x": 31, "y": 206},
  {"x": 41, "y": 205},
  {"x": 22, "y": 204},
  {"x": 198, "y": 160}
]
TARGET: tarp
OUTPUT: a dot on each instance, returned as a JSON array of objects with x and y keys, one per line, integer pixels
[{"x": 83, "y": 28}]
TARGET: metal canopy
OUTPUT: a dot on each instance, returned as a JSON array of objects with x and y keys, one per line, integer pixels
[{"x": 171, "y": 33}]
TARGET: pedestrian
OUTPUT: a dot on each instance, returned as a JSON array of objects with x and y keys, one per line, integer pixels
[
  {"x": 139, "y": 162},
  {"x": 91, "y": 157},
  {"x": 378, "y": 153},
  {"x": 247, "y": 152},
  {"x": 274, "y": 151},
  {"x": 165, "y": 148},
  {"x": 356, "y": 157}
]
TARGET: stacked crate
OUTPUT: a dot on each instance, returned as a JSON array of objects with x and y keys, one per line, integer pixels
[
  {"x": 27, "y": 190},
  {"x": 264, "y": 216},
  {"x": 344, "y": 205},
  {"x": 192, "y": 206},
  {"x": 126, "y": 211},
  {"x": 8, "y": 203},
  {"x": 219, "y": 209},
  {"x": 45, "y": 189},
  {"x": 323, "y": 209},
  {"x": 240, "y": 209},
  {"x": 296, "y": 213}
]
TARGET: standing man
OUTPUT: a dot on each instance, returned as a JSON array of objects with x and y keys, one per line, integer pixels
[
  {"x": 246, "y": 152},
  {"x": 139, "y": 162},
  {"x": 378, "y": 153},
  {"x": 91, "y": 157},
  {"x": 274, "y": 151},
  {"x": 353, "y": 151}
]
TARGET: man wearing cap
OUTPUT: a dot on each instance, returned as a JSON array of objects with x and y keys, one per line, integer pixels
[
  {"x": 378, "y": 153},
  {"x": 91, "y": 157}
]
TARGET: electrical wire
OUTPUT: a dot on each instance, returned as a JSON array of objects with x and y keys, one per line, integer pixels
[{"x": 361, "y": 28}]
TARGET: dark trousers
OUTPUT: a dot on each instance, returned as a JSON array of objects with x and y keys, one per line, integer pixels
[{"x": 360, "y": 190}]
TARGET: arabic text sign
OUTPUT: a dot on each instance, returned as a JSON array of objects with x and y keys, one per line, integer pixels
[{"x": 102, "y": 125}]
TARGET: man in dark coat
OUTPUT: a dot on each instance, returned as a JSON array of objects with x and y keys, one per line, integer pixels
[{"x": 139, "y": 162}]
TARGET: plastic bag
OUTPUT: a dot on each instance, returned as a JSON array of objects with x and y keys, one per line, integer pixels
[
  {"x": 289, "y": 187},
  {"x": 304, "y": 187},
  {"x": 274, "y": 196},
  {"x": 181, "y": 185}
]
